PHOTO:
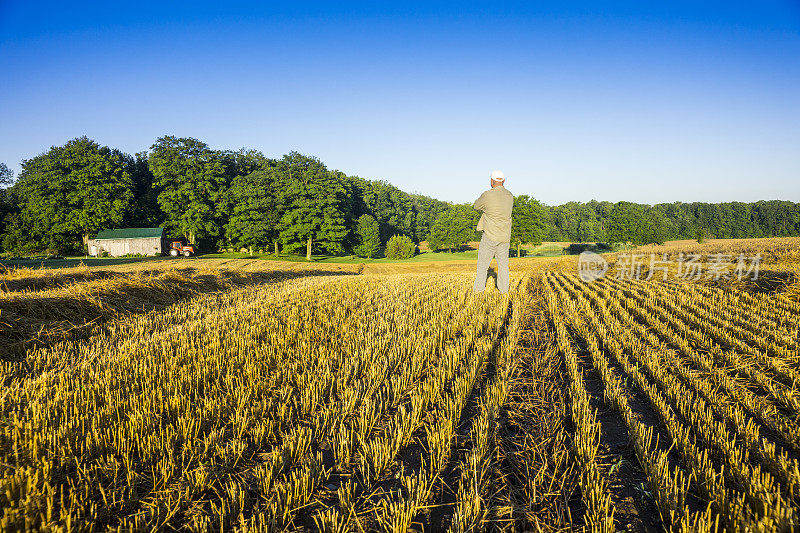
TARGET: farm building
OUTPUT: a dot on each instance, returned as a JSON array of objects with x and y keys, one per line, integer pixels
[{"x": 117, "y": 242}]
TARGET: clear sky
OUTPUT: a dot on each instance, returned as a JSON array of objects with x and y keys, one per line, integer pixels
[{"x": 643, "y": 101}]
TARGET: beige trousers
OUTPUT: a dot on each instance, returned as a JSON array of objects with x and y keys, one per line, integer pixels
[{"x": 487, "y": 250}]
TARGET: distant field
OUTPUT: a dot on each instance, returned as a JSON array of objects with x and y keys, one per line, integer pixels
[
  {"x": 470, "y": 253},
  {"x": 547, "y": 249},
  {"x": 243, "y": 394},
  {"x": 531, "y": 248}
]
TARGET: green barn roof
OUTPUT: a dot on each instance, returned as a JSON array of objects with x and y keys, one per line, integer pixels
[{"x": 131, "y": 233}]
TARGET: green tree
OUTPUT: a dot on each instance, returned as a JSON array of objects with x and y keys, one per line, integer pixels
[
  {"x": 245, "y": 161},
  {"x": 453, "y": 227},
  {"x": 146, "y": 212},
  {"x": 317, "y": 209},
  {"x": 527, "y": 222},
  {"x": 391, "y": 207},
  {"x": 588, "y": 227},
  {"x": 6, "y": 175},
  {"x": 400, "y": 247},
  {"x": 627, "y": 223},
  {"x": 700, "y": 235},
  {"x": 70, "y": 192},
  {"x": 566, "y": 217},
  {"x": 192, "y": 180},
  {"x": 426, "y": 210},
  {"x": 256, "y": 208},
  {"x": 655, "y": 228},
  {"x": 369, "y": 237},
  {"x": 602, "y": 211},
  {"x": 8, "y": 204}
]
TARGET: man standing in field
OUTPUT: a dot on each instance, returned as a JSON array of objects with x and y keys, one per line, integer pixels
[{"x": 495, "y": 223}]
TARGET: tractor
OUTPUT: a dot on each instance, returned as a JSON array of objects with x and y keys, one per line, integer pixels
[{"x": 179, "y": 248}]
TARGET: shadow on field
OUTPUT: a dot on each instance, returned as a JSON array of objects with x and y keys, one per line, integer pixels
[
  {"x": 73, "y": 262},
  {"x": 41, "y": 318},
  {"x": 39, "y": 280}
]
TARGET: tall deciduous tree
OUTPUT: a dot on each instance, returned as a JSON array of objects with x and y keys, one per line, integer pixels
[
  {"x": 72, "y": 191},
  {"x": 453, "y": 227},
  {"x": 527, "y": 222},
  {"x": 316, "y": 211},
  {"x": 192, "y": 180},
  {"x": 257, "y": 204},
  {"x": 146, "y": 211},
  {"x": 246, "y": 161},
  {"x": 627, "y": 223},
  {"x": 7, "y": 199},
  {"x": 391, "y": 207},
  {"x": 369, "y": 237},
  {"x": 6, "y": 175},
  {"x": 588, "y": 227},
  {"x": 655, "y": 227},
  {"x": 426, "y": 210}
]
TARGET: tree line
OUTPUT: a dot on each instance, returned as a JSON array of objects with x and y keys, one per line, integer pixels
[
  {"x": 222, "y": 199},
  {"x": 644, "y": 224}
]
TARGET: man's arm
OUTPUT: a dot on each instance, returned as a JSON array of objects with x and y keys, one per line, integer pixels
[{"x": 480, "y": 203}]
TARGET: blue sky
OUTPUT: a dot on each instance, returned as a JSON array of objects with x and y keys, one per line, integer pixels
[{"x": 640, "y": 101}]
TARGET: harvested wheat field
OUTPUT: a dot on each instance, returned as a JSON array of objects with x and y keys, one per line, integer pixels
[{"x": 257, "y": 396}]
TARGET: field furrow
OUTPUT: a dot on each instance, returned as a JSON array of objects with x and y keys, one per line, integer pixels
[{"x": 743, "y": 494}]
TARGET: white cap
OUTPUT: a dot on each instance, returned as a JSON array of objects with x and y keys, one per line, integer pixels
[{"x": 498, "y": 176}]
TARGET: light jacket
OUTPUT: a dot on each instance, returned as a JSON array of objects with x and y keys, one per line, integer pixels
[{"x": 496, "y": 205}]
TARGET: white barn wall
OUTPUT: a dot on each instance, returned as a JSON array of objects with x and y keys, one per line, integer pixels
[{"x": 119, "y": 247}]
